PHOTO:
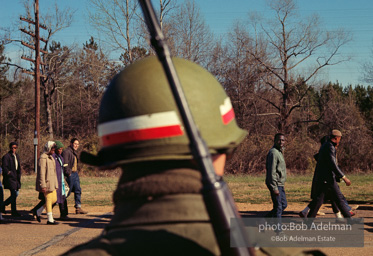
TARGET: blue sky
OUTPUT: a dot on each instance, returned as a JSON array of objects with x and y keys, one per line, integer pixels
[{"x": 355, "y": 16}]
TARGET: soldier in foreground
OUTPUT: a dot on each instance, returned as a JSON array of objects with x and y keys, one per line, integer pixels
[{"x": 159, "y": 208}]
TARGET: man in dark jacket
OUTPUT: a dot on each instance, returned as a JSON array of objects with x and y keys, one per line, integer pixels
[
  {"x": 12, "y": 177},
  {"x": 71, "y": 172},
  {"x": 326, "y": 175}
]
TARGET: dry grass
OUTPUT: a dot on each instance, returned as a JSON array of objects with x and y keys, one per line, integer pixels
[
  {"x": 251, "y": 189},
  {"x": 97, "y": 191}
]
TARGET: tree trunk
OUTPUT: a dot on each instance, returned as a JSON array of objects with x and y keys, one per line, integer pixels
[{"x": 48, "y": 112}]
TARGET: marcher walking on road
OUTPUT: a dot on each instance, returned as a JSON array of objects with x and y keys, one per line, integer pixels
[
  {"x": 11, "y": 166},
  {"x": 46, "y": 179},
  {"x": 62, "y": 186},
  {"x": 71, "y": 172},
  {"x": 276, "y": 176},
  {"x": 335, "y": 208},
  {"x": 326, "y": 175}
]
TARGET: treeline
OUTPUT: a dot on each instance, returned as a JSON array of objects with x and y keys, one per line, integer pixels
[
  {"x": 269, "y": 68},
  {"x": 349, "y": 109},
  {"x": 70, "y": 98},
  {"x": 74, "y": 112}
]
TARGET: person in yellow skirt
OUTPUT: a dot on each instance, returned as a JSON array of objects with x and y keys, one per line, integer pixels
[{"x": 46, "y": 179}]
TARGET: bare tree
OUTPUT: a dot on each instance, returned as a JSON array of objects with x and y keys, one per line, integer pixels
[
  {"x": 165, "y": 7},
  {"x": 92, "y": 72},
  {"x": 298, "y": 49},
  {"x": 54, "y": 20},
  {"x": 54, "y": 62},
  {"x": 57, "y": 72},
  {"x": 115, "y": 19},
  {"x": 121, "y": 26},
  {"x": 342, "y": 112},
  {"x": 188, "y": 35},
  {"x": 367, "y": 68}
]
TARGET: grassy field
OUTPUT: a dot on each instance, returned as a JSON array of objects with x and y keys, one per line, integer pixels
[
  {"x": 251, "y": 189},
  {"x": 97, "y": 191}
]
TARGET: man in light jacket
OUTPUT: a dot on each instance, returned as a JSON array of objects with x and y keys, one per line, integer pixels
[{"x": 276, "y": 176}]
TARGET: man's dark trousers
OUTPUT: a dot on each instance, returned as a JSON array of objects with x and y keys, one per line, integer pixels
[
  {"x": 279, "y": 203},
  {"x": 63, "y": 208},
  {"x": 74, "y": 184},
  {"x": 12, "y": 200},
  {"x": 335, "y": 194}
]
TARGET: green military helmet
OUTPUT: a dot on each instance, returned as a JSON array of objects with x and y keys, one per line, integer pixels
[{"x": 139, "y": 119}]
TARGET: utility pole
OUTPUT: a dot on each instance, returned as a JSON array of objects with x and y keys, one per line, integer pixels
[{"x": 36, "y": 72}]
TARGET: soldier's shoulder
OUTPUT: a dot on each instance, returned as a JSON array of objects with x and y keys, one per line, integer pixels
[{"x": 295, "y": 251}]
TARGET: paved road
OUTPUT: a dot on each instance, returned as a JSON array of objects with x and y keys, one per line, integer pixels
[
  {"x": 25, "y": 236},
  {"x": 364, "y": 211}
]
